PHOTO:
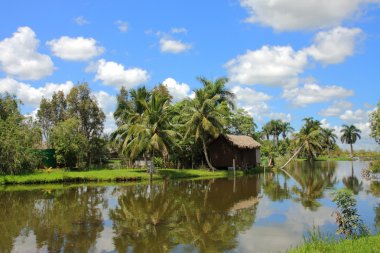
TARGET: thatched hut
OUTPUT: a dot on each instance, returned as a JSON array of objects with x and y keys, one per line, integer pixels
[{"x": 244, "y": 149}]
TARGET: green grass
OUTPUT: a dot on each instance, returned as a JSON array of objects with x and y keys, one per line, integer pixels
[
  {"x": 364, "y": 244},
  {"x": 325, "y": 158},
  {"x": 106, "y": 175},
  {"x": 374, "y": 166}
]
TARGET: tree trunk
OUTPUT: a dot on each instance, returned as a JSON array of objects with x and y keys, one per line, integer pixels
[
  {"x": 206, "y": 156},
  {"x": 151, "y": 167},
  {"x": 352, "y": 150},
  {"x": 291, "y": 158}
]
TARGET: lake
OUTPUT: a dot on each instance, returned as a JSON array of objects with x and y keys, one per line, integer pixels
[{"x": 259, "y": 213}]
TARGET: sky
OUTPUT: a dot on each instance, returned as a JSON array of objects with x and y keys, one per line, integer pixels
[{"x": 285, "y": 59}]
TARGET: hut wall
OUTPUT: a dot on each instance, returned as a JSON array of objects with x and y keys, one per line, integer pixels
[{"x": 222, "y": 153}]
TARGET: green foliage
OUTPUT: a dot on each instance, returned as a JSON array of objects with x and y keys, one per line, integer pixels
[
  {"x": 241, "y": 123},
  {"x": 375, "y": 124},
  {"x": 374, "y": 166},
  {"x": 347, "y": 218},
  {"x": 68, "y": 141},
  {"x": 18, "y": 137},
  {"x": 360, "y": 245}
]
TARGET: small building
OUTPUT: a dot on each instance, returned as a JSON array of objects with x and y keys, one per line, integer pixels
[{"x": 244, "y": 149}]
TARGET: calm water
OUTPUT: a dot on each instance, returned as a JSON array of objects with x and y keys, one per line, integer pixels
[{"x": 263, "y": 213}]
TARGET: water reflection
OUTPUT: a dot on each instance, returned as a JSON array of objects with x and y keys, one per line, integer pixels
[
  {"x": 195, "y": 216},
  {"x": 204, "y": 215}
]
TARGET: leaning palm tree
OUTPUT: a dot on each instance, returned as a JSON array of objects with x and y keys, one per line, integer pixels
[
  {"x": 205, "y": 118},
  {"x": 350, "y": 134}
]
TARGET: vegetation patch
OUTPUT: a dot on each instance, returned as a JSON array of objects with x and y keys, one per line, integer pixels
[
  {"x": 363, "y": 244},
  {"x": 118, "y": 175}
]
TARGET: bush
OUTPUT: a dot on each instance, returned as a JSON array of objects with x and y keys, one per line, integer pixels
[
  {"x": 347, "y": 218},
  {"x": 374, "y": 166}
]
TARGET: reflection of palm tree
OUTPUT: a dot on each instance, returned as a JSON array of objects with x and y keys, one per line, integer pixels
[
  {"x": 145, "y": 221},
  {"x": 352, "y": 182},
  {"x": 273, "y": 188},
  {"x": 312, "y": 182}
]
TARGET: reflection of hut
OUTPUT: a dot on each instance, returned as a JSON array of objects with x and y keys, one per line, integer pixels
[{"x": 244, "y": 149}]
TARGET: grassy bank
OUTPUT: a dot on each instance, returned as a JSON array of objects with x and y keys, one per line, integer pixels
[
  {"x": 117, "y": 175},
  {"x": 364, "y": 244}
]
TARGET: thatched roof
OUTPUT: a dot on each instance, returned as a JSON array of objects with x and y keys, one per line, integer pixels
[
  {"x": 245, "y": 204},
  {"x": 242, "y": 141}
]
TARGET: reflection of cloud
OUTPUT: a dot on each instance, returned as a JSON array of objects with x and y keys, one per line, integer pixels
[{"x": 288, "y": 233}]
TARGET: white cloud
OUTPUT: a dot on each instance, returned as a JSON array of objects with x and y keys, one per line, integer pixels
[
  {"x": 290, "y": 15},
  {"x": 108, "y": 104},
  {"x": 333, "y": 46},
  {"x": 30, "y": 95},
  {"x": 178, "y": 30},
  {"x": 122, "y": 26},
  {"x": 252, "y": 101},
  {"x": 173, "y": 46},
  {"x": 287, "y": 117},
  {"x": 313, "y": 93},
  {"x": 75, "y": 49},
  {"x": 336, "y": 109},
  {"x": 115, "y": 74},
  {"x": 356, "y": 116},
  {"x": 179, "y": 91},
  {"x": 273, "y": 66},
  {"x": 19, "y": 57},
  {"x": 81, "y": 21}
]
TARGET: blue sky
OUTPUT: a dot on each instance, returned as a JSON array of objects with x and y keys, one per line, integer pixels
[{"x": 285, "y": 58}]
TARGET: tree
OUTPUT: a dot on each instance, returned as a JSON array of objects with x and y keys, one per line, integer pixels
[
  {"x": 286, "y": 129},
  {"x": 350, "y": 134},
  {"x": 218, "y": 88},
  {"x": 330, "y": 138},
  {"x": 241, "y": 123},
  {"x": 150, "y": 131},
  {"x": 68, "y": 141},
  {"x": 375, "y": 124},
  {"x": 18, "y": 137},
  {"x": 205, "y": 118},
  {"x": 84, "y": 107},
  {"x": 309, "y": 138}
]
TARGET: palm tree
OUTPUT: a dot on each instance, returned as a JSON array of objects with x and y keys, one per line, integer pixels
[
  {"x": 149, "y": 131},
  {"x": 286, "y": 128},
  {"x": 218, "y": 87},
  {"x": 205, "y": 118},
  {"x": 350, "y": 134},
  {"x": 309, "y": 138},
  {"x": 330, "y": 138}
]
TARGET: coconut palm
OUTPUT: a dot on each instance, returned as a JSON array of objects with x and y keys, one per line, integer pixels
[
  {"x": 330, "y": 138},
  {"x": 310, "y": 138},
  {"x": 218, "y": 87},
  {"x": 350, "y": 134},
  {"x": 149, "y": 131},
  {"x": 205, "y": 118}
]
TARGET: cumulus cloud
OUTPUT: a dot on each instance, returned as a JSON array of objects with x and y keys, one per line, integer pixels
[
  {"x": 333, "y": 46},
  {"x": 122, "y": 26},
  {"x": 252, "y": 101},
  {"x": 179, "y": 91},
  {"x": 355, "y": 116},
  {"x": 30, "y": 95},
  {"x": 115, "y": 74},
  {"x": 273, "y": 66},
  {"x": 108, "y": 103},
  {"x": 336, "y": 109},
  {"x": 287, "y": 117},
  {"x": 173, "y": 46},
  {"x": 19, "y": 57},
  {"x": 282, "y": 65},
  {"x": 313, "y": 93},
  {"x": 290, "y": 15},
  {"x": 75, "y": 49},
  {"x": 81, "y": 21}
]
